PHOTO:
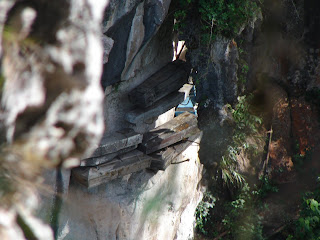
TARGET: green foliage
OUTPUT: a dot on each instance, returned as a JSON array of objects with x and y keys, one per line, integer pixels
[
  {"x": 229, "y": 174},
  {"x": 246, "y": 124},
  {"x": 203, "y": 212},
  {"x": 181, "y": 15},
  {"x": 266, "y": 187},
  {"x": 218, "y": 17},
  {"x": 308, "y": 224},
  {"x": 243, "y": 68},
  {"x": 226, "y": 17},
  {"x": 241, "y": 221}
]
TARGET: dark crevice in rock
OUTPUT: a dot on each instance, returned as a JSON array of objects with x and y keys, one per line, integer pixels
[{"x": 27, "y": 231}]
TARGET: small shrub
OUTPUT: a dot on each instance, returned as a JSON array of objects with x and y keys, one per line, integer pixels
[
  {"x": 266, "y": 187},
  {"x": 242, "y": 221},
  {"x": 246, "y": 124},
  {"x": 203, "y": 212},
  {"x": 308, "y": 224},
  {"x": 217, "y": 17},
  {"x": 226, "y": 17},
  {"x": 229, "y": 174}
]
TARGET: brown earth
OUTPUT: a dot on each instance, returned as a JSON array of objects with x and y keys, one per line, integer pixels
[{"x": 283, "y": 207}]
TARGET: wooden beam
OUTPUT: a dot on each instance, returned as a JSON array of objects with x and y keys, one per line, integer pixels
[
  {"x": 95, "y": 161},
  {"x": 118, "y": 167},
  {"x": 162, "y": 159},
  {"x": 177, "y": 129},
  {"x": 117, "y": 141},
  {"x": 168, "y": 79}
]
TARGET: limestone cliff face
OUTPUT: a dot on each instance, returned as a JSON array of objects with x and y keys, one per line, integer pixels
[
  {"x": 132, "y": 25},
  {"x": 141, "y": 32},
  {"x": 143, "y": 205},
  {"x": 52, "y": 57},
  {"x": 137, "y": 39},
  {"x": 51, "y": 100}
]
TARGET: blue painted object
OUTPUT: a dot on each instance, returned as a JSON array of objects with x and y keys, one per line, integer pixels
[{"x": 187, "y": 105}]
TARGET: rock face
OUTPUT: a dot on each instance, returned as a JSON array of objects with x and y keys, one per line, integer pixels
[
  {"x": 146, "y": 204},
  {"x": 280, "y": 146},
  {"x": 305, "y": 124},
  {"x": 142, "y": 205},
  {"x": 53, "y": 84},
  {"x": 52, "y": 111},
  {"x": 132, "y": 25},
  {"x": 218, "y": 85},
  {"x": 219, "y": 81},
  {"x": 142, "y": 36},
  {"x": 51, "y": 100}
]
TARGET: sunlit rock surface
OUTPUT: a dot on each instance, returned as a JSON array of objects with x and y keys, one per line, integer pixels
[
  {"x": 52, "y": 91},
  {"x": 51, "y": 102}
]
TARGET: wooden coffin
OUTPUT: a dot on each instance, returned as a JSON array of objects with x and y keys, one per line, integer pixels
[
  {"x": 118, "y": 167},
  {"x": 168, "y": 79},
  {"x": 162, "y": 159},
  {"x": 160, "y": 107},
  {"x": 95, "y": 161},
  {"x": 117, "y": 141},
  {"x": 177, "y": 129}
]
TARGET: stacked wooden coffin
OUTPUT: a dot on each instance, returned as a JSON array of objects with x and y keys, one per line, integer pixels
[
  {"x": 166, "y": 142},
  {"x": 126, "y": 151},
  {"x": 116, "y": 156},
  {"x": 164, "y": 90}
]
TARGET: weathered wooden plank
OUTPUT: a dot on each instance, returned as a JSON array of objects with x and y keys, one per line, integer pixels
[
  {"x": 117, "y": 141},
  {"x": 162, "y": 159},
  {"x": 175, "y": 124},
  {"x": 167, "y": 80},
  {"x": 119, "y": 166},
  {"x": 161, "y": 106},
  {"x": 183, "y": 126},
  {"x": 95, "y": 161}
]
